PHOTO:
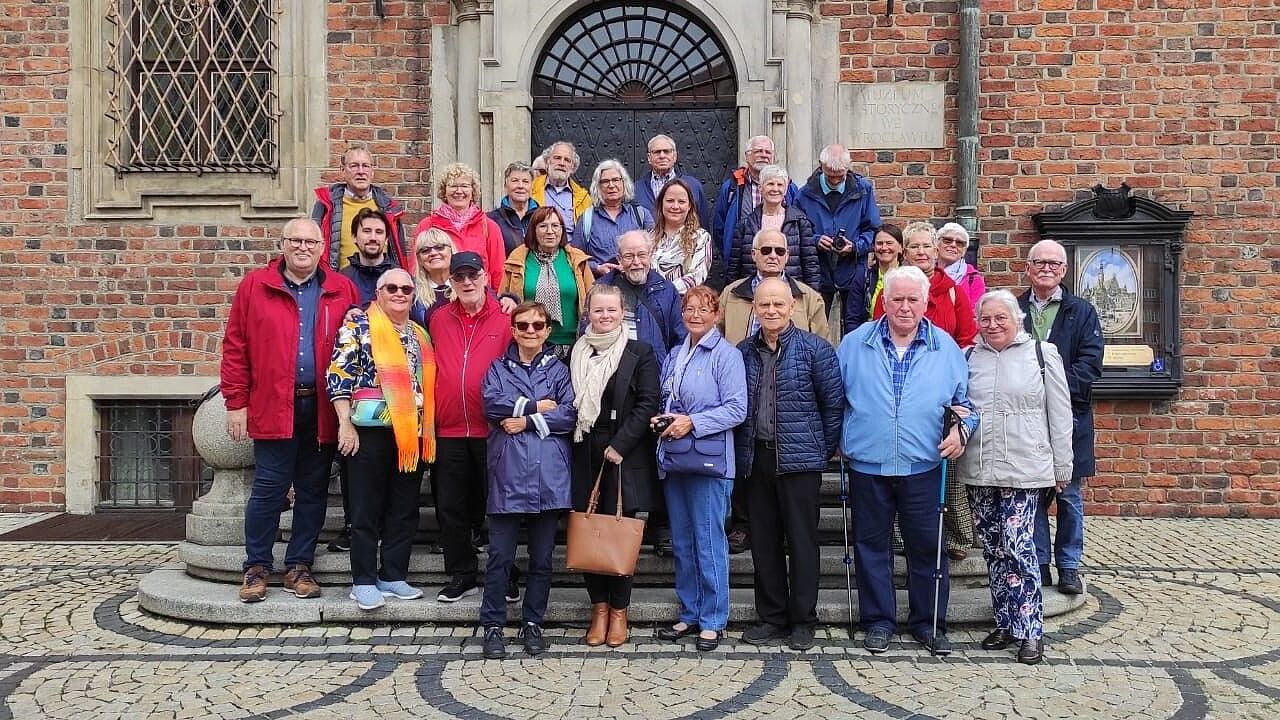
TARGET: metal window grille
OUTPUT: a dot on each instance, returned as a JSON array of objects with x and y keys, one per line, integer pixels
[
  {"x": 193, "y": 86},
  {"x": 146, "y": 457}
]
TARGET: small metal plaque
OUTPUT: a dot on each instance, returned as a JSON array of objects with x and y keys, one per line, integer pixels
[{"x": 1128, "y": 355}]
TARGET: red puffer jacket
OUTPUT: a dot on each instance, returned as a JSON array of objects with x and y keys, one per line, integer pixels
[
  {"x": 466, "y": 345},
  {"x": 257, "y": 351},
  {"x": 949, "y": 309}
]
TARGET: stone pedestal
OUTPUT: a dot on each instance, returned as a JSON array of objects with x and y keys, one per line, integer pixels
[{"x": 217, "y": 517}]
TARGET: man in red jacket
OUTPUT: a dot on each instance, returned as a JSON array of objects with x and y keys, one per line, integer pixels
[
  {"x": 469, "y": 333},
  {"x": 280, "y": 335}
]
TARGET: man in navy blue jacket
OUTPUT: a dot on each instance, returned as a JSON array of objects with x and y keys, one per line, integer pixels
[
  {"x": 795, "y": 399},
  {"x": 1071, "y": 324},
  {"x": 662, "y": 170},
  {"x": 835, "y": 199}
]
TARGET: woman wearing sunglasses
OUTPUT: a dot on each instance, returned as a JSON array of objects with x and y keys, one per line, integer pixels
[
  {"x": 382, "y": 383},
  {"x": 552, "y": 272},
  {"x": 528, "y": 401}
]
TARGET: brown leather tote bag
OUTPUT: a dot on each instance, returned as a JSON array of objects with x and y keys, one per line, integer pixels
[{"x": 603, "y": 544}]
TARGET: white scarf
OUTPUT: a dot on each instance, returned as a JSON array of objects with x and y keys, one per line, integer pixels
[
  {"x": 594, "y": 360},
  {"x": 956, "y": 270}
]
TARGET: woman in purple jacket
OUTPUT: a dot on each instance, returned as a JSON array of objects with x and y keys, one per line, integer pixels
[
  {"x": 528, "y": 400},
  {"x": 704, "y": 396}
]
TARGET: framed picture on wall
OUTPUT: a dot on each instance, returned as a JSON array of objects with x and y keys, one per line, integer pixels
[{"x": 1111, "y": 279}]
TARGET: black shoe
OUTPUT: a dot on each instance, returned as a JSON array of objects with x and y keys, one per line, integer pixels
[
  {"x": 671, "y": 634},
  {"x": 708, "y": 644},
  {"x": 513, "y": 585},
  {"x": 1046, "y": 577},
  {"x": 1069, "y": 582},
  {"x": 801, "y": 637},
  {"x": 341, "y": 543},
  {"x": 876, "y": 640},
  {"x": 662, "y": 543},
  {"x": 495, "y": 646},
  {"x": 456, "y": 590},
  {"x": 763, "y": 633},
  {"x": 1031, "y": 652},
  {"x": 534, "y": 643},
  {"x": 935, "y": 644},
  {"x": 999, "y": 639},
  {"x": 739, "y": 541}
]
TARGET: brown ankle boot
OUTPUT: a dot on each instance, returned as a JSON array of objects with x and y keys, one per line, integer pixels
[
  {"x": 599, "y": 624},
  {"x": 617, "y": 627}
]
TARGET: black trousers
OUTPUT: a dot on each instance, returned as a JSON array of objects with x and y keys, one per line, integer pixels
[
  {"x": 610, "y": 589},
  {"x": 784, "y": 507},
  {"x": 504, "y": 534},
  {"x": 384, "y": 509},
  {"x": 462, "y": 486}
]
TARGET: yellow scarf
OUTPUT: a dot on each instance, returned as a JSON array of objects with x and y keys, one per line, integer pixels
[{"x": 397, "y": 388}]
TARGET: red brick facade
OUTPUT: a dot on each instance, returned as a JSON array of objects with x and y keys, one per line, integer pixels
[{"x": 1176, "y": 97}]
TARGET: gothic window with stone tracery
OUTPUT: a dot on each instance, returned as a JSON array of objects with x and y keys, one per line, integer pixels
[{"x": 193, "y": 86}]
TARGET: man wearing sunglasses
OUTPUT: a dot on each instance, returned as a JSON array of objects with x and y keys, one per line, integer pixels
[
  {"x": 1071, "y": 324},
  {"x": 280, "y": 335},
  {"x": 770, "y": 254},
  {"x": 469, "y": 333}
]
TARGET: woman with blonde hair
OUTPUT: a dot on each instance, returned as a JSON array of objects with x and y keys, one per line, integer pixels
[
  {"x": 434, "y": 249},
  {"x": 682, "y": 248},
  {"x": 459, "y": 215}
]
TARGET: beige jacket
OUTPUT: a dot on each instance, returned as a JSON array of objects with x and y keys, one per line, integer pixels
[
  {"x": 1024, "y": 424},
  {"x": 810, "y": 313}
]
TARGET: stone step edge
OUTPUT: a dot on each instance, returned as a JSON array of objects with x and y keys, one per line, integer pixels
[{"x": 172, "y": 593}]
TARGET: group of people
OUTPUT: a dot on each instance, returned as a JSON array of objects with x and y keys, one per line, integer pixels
[{"x": 573, "y": 334}]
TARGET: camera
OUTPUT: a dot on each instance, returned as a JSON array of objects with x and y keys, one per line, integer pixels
[
  {"x": 840, "y": 241},
  {"x": 661, "y": 424}
]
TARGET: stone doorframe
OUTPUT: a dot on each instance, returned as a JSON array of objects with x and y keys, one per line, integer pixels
[{"x": 785, "y": 59}]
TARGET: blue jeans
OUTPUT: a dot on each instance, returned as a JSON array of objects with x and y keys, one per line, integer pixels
[
  {"x": 1004, "y": 519},
  {"x": 1068, "y": 544},
  {"x": 299, "y": 461},
  {"x": 504, "y": 535},
  {"x": 914, "y": 499},
  {"x": 697, "y": 505}
]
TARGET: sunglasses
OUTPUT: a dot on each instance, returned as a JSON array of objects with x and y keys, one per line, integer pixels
[
  {"x": 768, "y": 250},
  {"x": 394, "y": 289},
  {"x": 465, "y": 276},
  {"x": 433, "y": 248},
  {"x": 527, "y": 325}
]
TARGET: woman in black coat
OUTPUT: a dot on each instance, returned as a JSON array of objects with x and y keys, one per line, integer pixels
[
  {"x": 616, "y": 388},
  {"x": 802, "y": 246}
]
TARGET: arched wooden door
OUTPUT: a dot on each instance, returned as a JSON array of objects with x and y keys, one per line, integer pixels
[{"x": 617, "y": 73}]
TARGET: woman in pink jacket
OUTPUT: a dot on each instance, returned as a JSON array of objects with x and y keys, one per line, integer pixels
[{"x": 460, "y": 216}]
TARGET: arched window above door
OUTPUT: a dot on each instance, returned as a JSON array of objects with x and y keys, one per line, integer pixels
[{"x": 634, "y": 53}]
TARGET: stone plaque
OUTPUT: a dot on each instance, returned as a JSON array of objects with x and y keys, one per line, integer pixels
[{"x": 888, "y": 116}]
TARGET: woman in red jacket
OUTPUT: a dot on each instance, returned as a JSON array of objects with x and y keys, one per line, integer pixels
[
  {"x": 460, "y": 216},
  {"x": 949, "y": 307}
]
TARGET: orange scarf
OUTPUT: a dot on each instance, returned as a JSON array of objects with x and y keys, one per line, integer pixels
[{"x": 397, "y": 388}]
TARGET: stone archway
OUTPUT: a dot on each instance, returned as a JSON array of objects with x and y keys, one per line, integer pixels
[{"x": 614, "y": 74}]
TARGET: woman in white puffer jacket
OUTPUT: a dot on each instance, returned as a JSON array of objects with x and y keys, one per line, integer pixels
[{"x": 1021, "y": 451}]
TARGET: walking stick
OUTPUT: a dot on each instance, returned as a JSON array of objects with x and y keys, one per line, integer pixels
[
  {"x": 848, "y": 561},
  {"x": 937, "y": 567}
]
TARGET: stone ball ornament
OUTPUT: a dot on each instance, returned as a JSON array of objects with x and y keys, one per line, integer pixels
[{"x": 209, "y": 433}]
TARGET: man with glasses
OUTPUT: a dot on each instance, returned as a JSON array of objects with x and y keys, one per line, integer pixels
[
  {"x": 1056, "y": 315},
  {"x": 739, "y": 195},
  {"x": 662, "y": 158},
  {"x": 337, "y": 204},
  {"x": 769, "y": 251},
  {"x": 469, "y": 333},
  {"x": 280, "y": 334}
]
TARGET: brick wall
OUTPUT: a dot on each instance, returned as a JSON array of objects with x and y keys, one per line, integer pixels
[{"x": 1176, "y": 97}]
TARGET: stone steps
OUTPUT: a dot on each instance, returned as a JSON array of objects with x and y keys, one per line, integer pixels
[{"x": 173, "y": 593}]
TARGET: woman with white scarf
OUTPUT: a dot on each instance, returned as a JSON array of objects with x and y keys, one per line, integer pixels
[
  {"x": 548, "y": 270},
  {"x": 953, "y": 243},
  {"x": 616, "y": 392}
]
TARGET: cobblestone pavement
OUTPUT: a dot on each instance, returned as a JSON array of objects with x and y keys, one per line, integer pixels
[{"x": 1182, "y": 622}]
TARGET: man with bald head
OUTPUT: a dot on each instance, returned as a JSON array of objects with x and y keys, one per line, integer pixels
[
  {"x": 770, "y": 253},
  {"x": 795, "y": 397},
  {"x": 1055, "y": 315},
  {"x": 275, "y": 355}
]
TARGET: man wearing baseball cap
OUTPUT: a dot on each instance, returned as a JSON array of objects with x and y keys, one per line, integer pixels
[{"x": 469, "y": 333}]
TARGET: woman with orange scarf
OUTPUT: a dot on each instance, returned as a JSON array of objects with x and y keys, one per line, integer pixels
[{"x": 382, "y": 366}]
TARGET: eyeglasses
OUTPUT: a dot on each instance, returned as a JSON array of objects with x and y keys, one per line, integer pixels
[
  {"x": 768, "y": 250},
  {"x": 628, "y": 257},
  {"x": 298, "y": 242},
  {"x": 611, "y": 181},
  {"x": 465, "y": 276},
  {"x": 988, "y": 321},
  {"x": 359, "y": 166},
  {"x": 1039, "y": 264},
  {"x": 458, "y": 186},
  {"x": 393, "y": 289},
  {"x": 527, "y": 325},
  {"x": 948, "y": 240},
  {"x": 693, "y": 311},
  {"x": 662, "y": 151},
  {"x": 432, "y": 248}
]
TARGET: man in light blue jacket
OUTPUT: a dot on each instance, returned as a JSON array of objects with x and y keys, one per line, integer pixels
[{"x": 900, "y": 375}]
